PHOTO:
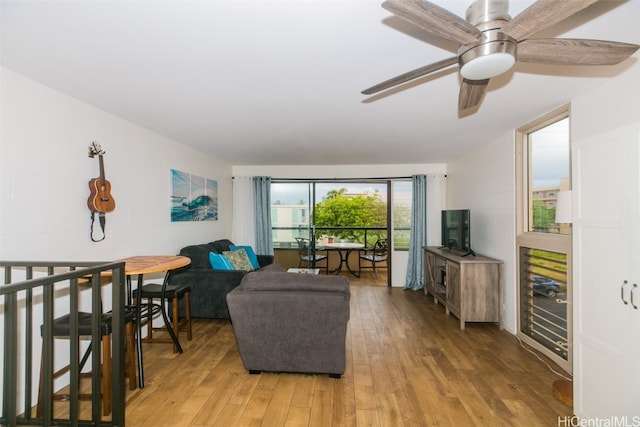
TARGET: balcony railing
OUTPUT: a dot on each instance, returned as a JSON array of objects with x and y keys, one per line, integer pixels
[
  {"x": 543, "y": 299},
  {"x": 365, "y": 235},
  {"x": 32, "y": 295}
]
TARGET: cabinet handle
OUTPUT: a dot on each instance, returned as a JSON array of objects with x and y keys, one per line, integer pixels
[
  {"x": 622, "y": 292},
  {"x": 633, "y": 291}
]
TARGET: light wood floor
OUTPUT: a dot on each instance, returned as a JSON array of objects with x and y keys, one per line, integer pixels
[{"x": 408, "y": 364}]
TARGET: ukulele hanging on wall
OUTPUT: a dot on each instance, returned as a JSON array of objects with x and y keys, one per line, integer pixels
[{"x": 100, "y": 199}]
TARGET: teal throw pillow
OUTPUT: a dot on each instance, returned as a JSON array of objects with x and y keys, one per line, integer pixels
[
  {"x": 219, "y": 262},
  {"x": 253, "y": 258}
]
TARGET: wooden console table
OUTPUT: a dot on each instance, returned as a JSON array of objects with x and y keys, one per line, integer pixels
[{"x": 470, "y": 287}]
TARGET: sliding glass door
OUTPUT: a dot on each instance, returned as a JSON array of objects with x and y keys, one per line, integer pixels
[
  {"x": 353, "y": 211},
  {"x": 349, "y": 211},
  {"x": 291, "y": 212}
]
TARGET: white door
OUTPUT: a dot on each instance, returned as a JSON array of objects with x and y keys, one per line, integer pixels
[{"x": 606, "y": 184}]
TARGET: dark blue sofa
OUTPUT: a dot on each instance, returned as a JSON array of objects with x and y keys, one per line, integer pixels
[{"x": 209, "y": 288}]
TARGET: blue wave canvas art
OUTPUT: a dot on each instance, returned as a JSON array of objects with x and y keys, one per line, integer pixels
[{"x": 193, "y": 198}]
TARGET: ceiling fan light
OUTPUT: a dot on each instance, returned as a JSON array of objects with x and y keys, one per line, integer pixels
[
  {"x": 489, "y": 59},
  {"x": 485, "y": 67}
]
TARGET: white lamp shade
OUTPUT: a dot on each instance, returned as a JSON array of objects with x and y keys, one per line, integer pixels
[
  {"x": 485, "y": 67},
  {"x": 564, "y": 214}
]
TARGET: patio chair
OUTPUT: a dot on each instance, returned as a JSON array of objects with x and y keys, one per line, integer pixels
[
  {"x": 310, "y": 257},
  {"x": 373, "y": 256}
]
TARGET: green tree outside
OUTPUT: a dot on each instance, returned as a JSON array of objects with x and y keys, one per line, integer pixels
[
  {"x": 338, "y": 209},
  {"x": 543, "y": 217},
  {"x": 401, "y": 226}
]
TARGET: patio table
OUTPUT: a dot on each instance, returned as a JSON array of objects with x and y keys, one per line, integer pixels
[{"x": 344, "y": 250}]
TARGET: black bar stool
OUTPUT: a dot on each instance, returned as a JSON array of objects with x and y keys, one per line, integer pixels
[
  {"x": 166, "y": 292},
  {"x": 61, "y": 329}
]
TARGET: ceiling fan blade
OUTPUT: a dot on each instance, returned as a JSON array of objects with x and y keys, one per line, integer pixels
[
  {"x": 435, "y": 20},
  {"x": 418, "y": 72},
  {"x": 471, "y": 93},
  {"x": 574, "y": 51},
  {"x": 542, "y": 14}
]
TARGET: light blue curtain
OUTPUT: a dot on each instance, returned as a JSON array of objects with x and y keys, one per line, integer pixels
[
  {"x": 262, "y": 214},
  {"x": 418, "y": 238}
]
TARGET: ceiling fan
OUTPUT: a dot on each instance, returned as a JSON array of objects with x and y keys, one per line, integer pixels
[{"x": 490, "y": 42}]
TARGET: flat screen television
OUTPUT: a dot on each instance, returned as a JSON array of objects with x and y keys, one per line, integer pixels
[{"x": 456, "y": 233}]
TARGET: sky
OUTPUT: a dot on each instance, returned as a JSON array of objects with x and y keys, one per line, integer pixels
[
  {"x": 293, "y": 193},
  {"x": 550, "y": 160}
]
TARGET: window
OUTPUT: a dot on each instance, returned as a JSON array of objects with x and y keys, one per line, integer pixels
[
  {"x": 544, "y": 246},
  {"x": 361, "y": 211},
  {"x": 346, "y": 210},
  {"x": 401, "y": 199},
  {"x": 355, "y": 211},
  {"x": 548, "y": 173},
  {"x": 543, "y": 283},
  {"x": 290, "y": 212}
]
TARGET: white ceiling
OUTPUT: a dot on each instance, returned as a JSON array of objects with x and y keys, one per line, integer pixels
[{"x": 278, "y": 82}]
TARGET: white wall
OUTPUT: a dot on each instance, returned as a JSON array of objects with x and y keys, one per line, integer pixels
[
  {"x": 44, "y": 174},
  {"x": 45, "y": 169},
  {"x": 614, "y": 104},
  {"x": 399, "y": 258},
  {"x": 482, "y": 180}
]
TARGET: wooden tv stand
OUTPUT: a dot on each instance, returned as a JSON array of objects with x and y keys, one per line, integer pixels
[{"x": 469, "y": 287}]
